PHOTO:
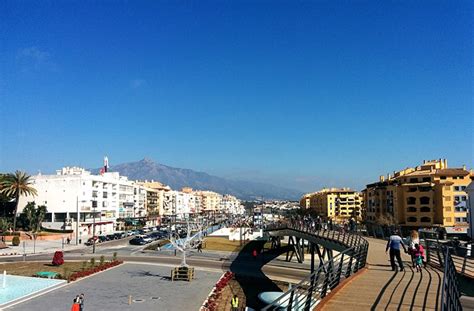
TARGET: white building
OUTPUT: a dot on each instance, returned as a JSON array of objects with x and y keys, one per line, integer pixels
[{"x": 75, "y": 193}]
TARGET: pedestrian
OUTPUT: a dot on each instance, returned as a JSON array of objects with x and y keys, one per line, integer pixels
[
  {"x": 394, "y": 244},
  {"x": 199, "y": 247},
  {"x": 254, "y": 253},
  {"x": 234, "y": 303},
  {"x": 81, "y": 302},
  {"x": 414, "y": 239},
  {"x": 419, "y": 253},
  {"x": 68, "y": 241},
  {"x": 75, "y": 304}
]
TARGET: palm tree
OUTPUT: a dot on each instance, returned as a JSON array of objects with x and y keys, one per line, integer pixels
[{"x": 16, "y": 185}]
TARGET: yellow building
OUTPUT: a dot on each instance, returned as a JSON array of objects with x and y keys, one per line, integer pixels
[
  {"x": 337, "y": 204},
  {"x": 155, "y": 197},
  {"x": 428, "y": 195}
]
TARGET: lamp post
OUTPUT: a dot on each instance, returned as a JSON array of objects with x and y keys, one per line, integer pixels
[{"x": 94, "y": 203}]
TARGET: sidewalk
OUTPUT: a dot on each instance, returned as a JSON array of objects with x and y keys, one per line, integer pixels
[{"x": 29, "y": 247}]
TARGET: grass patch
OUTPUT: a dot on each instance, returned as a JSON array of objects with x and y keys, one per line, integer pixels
[
  {"x": 223, "y": 244},
  {"x": 31, "y": 268}
]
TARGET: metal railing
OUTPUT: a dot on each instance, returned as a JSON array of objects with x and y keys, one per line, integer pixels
[
  {"x": 337, "y": 234},
  {"x": 450, "y": 289},
  {"x": 328, "y": 275}
]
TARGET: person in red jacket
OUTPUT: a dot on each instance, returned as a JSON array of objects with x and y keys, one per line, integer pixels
[{"x": 75, "y": 304}]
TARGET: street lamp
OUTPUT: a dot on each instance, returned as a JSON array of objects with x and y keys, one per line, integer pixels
[{"x": 94, "y": 205}]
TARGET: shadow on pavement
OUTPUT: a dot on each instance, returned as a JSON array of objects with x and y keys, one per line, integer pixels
[{"x": 249, "y": 274}]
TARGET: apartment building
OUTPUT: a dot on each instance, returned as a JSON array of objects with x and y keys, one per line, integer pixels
[
  {"x": 76, "y": 194},
  {"x": 428, "y": 195},
  {"x": 339, "y": 204}
]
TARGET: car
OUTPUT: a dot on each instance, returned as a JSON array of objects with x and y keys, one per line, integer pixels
[
  {"x": 90, "y": 241},
  {"x": 120, "y": 235},
  {"x": 110, "y": 237},
  {"x": 148, "y": 238},
  {"x": 130, "y": 233},
  {"x": 102, "y": 238},
  {"x": 137, "y": 241}
]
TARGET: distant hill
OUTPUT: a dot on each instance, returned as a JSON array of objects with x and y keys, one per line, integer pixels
[{"x": 177, "y": 178}]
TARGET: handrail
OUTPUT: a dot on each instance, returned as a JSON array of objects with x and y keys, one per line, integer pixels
[
  {"x": 450, "y": 292},
  {"x": 312, "y": 289}
]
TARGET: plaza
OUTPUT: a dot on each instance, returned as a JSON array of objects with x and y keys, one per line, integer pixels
[{"x": 148, "y": 285}]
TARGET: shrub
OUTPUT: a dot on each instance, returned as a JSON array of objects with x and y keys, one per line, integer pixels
[
  {"x": 114, "y": 256},
  {"x": 92, "y": 262},
  {"x": 84, "y": 265},
  {"x": 102, "y": 260},
  {"x": 16, "y": 240},
  {"x": 58, "y": 258}
]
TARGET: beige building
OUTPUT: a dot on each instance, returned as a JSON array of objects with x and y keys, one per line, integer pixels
[
  {"x": 155, "y": 197},
  {"x": 428, "y": 195},
  {"x": 337, "y": 204}
]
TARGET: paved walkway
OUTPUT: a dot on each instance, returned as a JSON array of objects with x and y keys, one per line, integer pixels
[{"x": 379, "y": 288}]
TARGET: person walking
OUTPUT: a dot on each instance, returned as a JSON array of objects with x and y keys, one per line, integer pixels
[
  {"x": 414, "y": 239},
  {"x": 81, "y": 302},
  {"x": 254, "y": 253},
  {"x": 394, "y": 244},
  {"x": 419, "y": 254},
  {"x": 234, "y": 303},
  {"x": 75, "y": 304}
]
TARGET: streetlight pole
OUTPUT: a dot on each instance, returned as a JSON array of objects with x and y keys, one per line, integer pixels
[{"x": 93, "y": 228}]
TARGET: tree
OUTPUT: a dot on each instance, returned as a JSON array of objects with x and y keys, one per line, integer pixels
[
  {"x": 15, "y": 185},
  {"x": 189, "y": 242},
  {"x": 34, "y": 216}
]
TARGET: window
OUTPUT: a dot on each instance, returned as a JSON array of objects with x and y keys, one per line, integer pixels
[
  {"x": 425, "y": 200},
  {"x": 425, "y": 209},
  {"x": 413, "y": 180},
  {"x": 412, "y": 189},
  {"x": 463, "y": 187},
  {"x": 443, "y": 177},
  {"x": 411, "y": 200},
  {"x": 456, "y": 188},
  {"x": 411, "y": 209},
  {"x": 447, "y": 198},
  {"x": 457, "y": 219},
  {"x": 426, "y": 179},
  {"x": 463, "y": 198},
  {"x": 411, "y": 219},
  {"x": 425, "y": 219}
]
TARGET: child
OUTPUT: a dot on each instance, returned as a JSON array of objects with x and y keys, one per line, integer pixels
[{"x": 419, "y": 254}]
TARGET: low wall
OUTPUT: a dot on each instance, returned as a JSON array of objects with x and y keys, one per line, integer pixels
[{"x": 233, "y": 234}]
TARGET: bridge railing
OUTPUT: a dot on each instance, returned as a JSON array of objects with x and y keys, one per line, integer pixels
[
  {"x": 450, "y": 291},
  {"x": 328, "y": 275},
  {"x": 337, "y": 234}
]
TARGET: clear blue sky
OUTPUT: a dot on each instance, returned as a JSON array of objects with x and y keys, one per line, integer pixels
[{"x": 301, "y": 94}]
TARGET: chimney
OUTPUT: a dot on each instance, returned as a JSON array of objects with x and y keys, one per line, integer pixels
[
  {"x": 445, "y": 163},
  {"x": 382, "y": 178},
  {"x": 464, "y": 167}
]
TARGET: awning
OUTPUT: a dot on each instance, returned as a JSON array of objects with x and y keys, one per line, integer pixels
[{"x": 456, "y": 230}]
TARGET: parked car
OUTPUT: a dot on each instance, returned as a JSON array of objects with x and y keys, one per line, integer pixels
[
  {"x": 110, "y": 237},
  {"x": 120, "y": 235},
  {"x": 130, "y": 232},
  {"x": 138, "y": 241},
  {"x": 90, "y": 241},
  {"x": 102, "y": 238}
]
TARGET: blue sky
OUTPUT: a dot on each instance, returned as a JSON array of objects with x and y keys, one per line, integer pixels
[{"x": 302, "y": 94}]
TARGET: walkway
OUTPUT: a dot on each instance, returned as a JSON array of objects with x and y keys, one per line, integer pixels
[{"x": 379, "y": 288}]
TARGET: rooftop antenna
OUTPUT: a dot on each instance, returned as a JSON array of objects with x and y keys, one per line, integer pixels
[{"x": 106, "y": 164}]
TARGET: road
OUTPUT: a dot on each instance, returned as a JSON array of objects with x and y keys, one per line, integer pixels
[{"x": 215, "y": 261}]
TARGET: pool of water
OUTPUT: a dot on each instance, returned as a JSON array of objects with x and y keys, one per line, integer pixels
[{"x": 21, "y": 286}]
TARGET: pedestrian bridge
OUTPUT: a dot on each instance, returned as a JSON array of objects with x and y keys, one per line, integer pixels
[{"x": 359, "y": 276}]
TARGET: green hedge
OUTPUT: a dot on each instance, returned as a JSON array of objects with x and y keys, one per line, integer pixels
[{"x": 56, "y": 230}]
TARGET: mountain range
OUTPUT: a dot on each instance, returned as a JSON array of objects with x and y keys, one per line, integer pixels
[{"x": 178, "y": 178}]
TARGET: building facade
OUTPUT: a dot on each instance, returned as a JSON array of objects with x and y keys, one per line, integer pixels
[
  {"x": 339, "y": 204},
  {"x": 428, "y": 195},
  {"x": 74, "y": 193}
]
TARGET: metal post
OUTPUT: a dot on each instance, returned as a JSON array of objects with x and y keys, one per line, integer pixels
[
  {"x": 93, "y": 228},
  {"x": 77, "y": 220}
]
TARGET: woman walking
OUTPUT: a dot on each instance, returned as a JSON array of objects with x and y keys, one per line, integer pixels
[{"x": 414, "y": 240}]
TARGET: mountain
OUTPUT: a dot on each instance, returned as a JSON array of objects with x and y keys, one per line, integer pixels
[{"x": 178, "y": 178}]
